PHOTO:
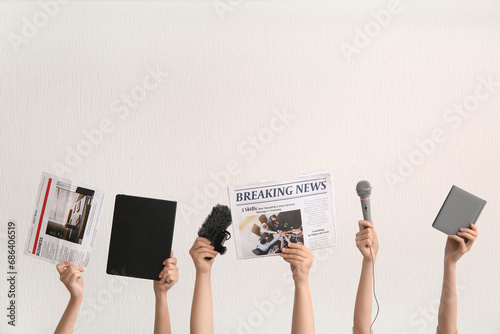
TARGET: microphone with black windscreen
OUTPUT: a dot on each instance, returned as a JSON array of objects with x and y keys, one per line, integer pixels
[
  {"x": 215, "y": 228},
  {"x": 364, "y": 190}
]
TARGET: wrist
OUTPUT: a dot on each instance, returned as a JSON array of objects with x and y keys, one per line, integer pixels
[
  {"x": 301, "y": 284},
  {"x": 450, "y": 264},
  {"x": 161, "y": 295},
  {"x": 203, "y": 274},
  {"x": 76, "y": 298}
]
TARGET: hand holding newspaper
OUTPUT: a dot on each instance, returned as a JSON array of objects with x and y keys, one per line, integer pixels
[
  {"x": 65, "y": 221},
  {"x": 268, "y": 215}
]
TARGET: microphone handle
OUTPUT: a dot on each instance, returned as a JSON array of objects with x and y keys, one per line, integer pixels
[{"x": 365, "y": 206}]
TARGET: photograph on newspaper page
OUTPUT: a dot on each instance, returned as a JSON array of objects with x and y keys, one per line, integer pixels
[{"x": 65, "y": 221}]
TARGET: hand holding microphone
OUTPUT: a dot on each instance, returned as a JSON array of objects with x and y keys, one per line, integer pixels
[
  {"x": 366, "y": 238},
  {"x": 215, "y": 228},
  {"x": 367, "y": 241}
]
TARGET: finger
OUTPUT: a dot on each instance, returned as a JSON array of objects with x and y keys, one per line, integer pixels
[
  {"x": 206, "y": 254},
  {"x": 365, "y": 236},
  {"x": 168, "y": 271},
  {"x": 199, "y": 245},
  {"x": 467, "y": 235},
  {"x": 364, "y": 232},
  {"x": 162, "y": 272},
  {"x": 470, "y": 231},
  {"x": 171, "y": 260},
  {"x": 303, "y": 255},
  {"x": 167, "y": 278},
  {"x": 295, "y": 257},
  {"x": 171, "y": 279},
  {"x": 470, "y": 239},
  {"x": 68, "y": 273},
  {"x": 78, "y": 268},
  {"x": 292, "y": 261},
  {"x": 171, "y": 253},
  {"x": 203, "y": 241},
  {"x": 72, "y": 269},
  {"x": 364, "y": 224},
  {"x": 364, "y": 241},
  {"x": 474, "y": 227},
  {"x": 365, "y": 244},
  {"x": 295, "y": 262},
  {"x": 170, "y": 266},
  {"x": 74, "y": 276},
  {"x": 461, "y": 242},
  {"x": 292, "y": 250},
  {"x": 196, "y": 253},
  {"x": 303, "y": 249},
  {"x": 204, "y": 250},
  {"x": 62, "y": 266}
]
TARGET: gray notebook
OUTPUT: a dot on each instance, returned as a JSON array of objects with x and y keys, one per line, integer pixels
[{"x": 459, "y": 210}]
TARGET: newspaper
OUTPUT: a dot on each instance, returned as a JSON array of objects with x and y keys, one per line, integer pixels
[
  {"x": 65, "y": 221},
  {"x": 268, "y": 215}
]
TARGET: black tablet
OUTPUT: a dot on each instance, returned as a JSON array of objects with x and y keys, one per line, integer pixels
[{"x": 141, "y": 236}]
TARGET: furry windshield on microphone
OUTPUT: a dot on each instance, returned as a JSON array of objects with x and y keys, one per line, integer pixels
[{"x": 215, "y": 226}]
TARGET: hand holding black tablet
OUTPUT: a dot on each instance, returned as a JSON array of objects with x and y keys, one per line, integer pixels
[{"x": 141, "y": 236}]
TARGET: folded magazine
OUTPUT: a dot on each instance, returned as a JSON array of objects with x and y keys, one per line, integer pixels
[
  {"x": 65, "y": 221},
  {"x": 270, "y": 214}
]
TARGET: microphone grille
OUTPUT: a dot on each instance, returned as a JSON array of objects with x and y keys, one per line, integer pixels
[{"x": 364, "y": 188}]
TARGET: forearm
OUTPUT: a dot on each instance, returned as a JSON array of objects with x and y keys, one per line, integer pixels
[
  {"x": 363, "y": 306},
  {"x": 68, "y": 319},
  {"x": 162, "y": 317},
  {"x": 303, "y": 316},
  {"x": 202, "y": 310},
  {"x": 448, "y": 306}
]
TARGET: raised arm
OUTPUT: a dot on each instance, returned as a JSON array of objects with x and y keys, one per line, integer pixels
[
  {"x": 202, "y": 310},
  {"x": 168, "y": 277},
  {"x": 300, "y": 259},
  {"x": 455, "y": 248},
  {"x": 366, "y": 239},
  {"x": 71, "y": 276}
]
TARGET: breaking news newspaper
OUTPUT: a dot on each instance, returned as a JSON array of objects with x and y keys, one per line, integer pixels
[
  {"x": 270, "y": 214},
  {"x": 65, "y": 221}
]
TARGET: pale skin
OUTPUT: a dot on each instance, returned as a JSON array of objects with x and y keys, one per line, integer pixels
[
  {"x": 71, "y": 277},
  {"x": 300, "y": 259},
  {"x": 365, "y": 238},
  {"x": 202, "y": 310},
  {"x": 168, "y": 277},
  {"x": 455, "y": 248}
]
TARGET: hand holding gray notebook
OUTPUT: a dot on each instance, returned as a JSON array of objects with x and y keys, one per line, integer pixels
[{"x": 459, "y": 210}]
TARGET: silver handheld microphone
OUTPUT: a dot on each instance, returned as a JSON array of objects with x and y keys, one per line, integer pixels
[{"x": 364, "y": 190}]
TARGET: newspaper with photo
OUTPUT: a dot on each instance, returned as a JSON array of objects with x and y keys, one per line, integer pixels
[
  {"x": 268, "y": 215},
  {"x": 65, "y": 221}
]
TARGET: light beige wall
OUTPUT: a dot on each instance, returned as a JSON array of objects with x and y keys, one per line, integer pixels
[{"x": 262, "y": 90}]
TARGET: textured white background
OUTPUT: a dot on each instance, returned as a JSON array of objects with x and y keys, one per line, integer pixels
[{"x": 227, "y": 75}]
